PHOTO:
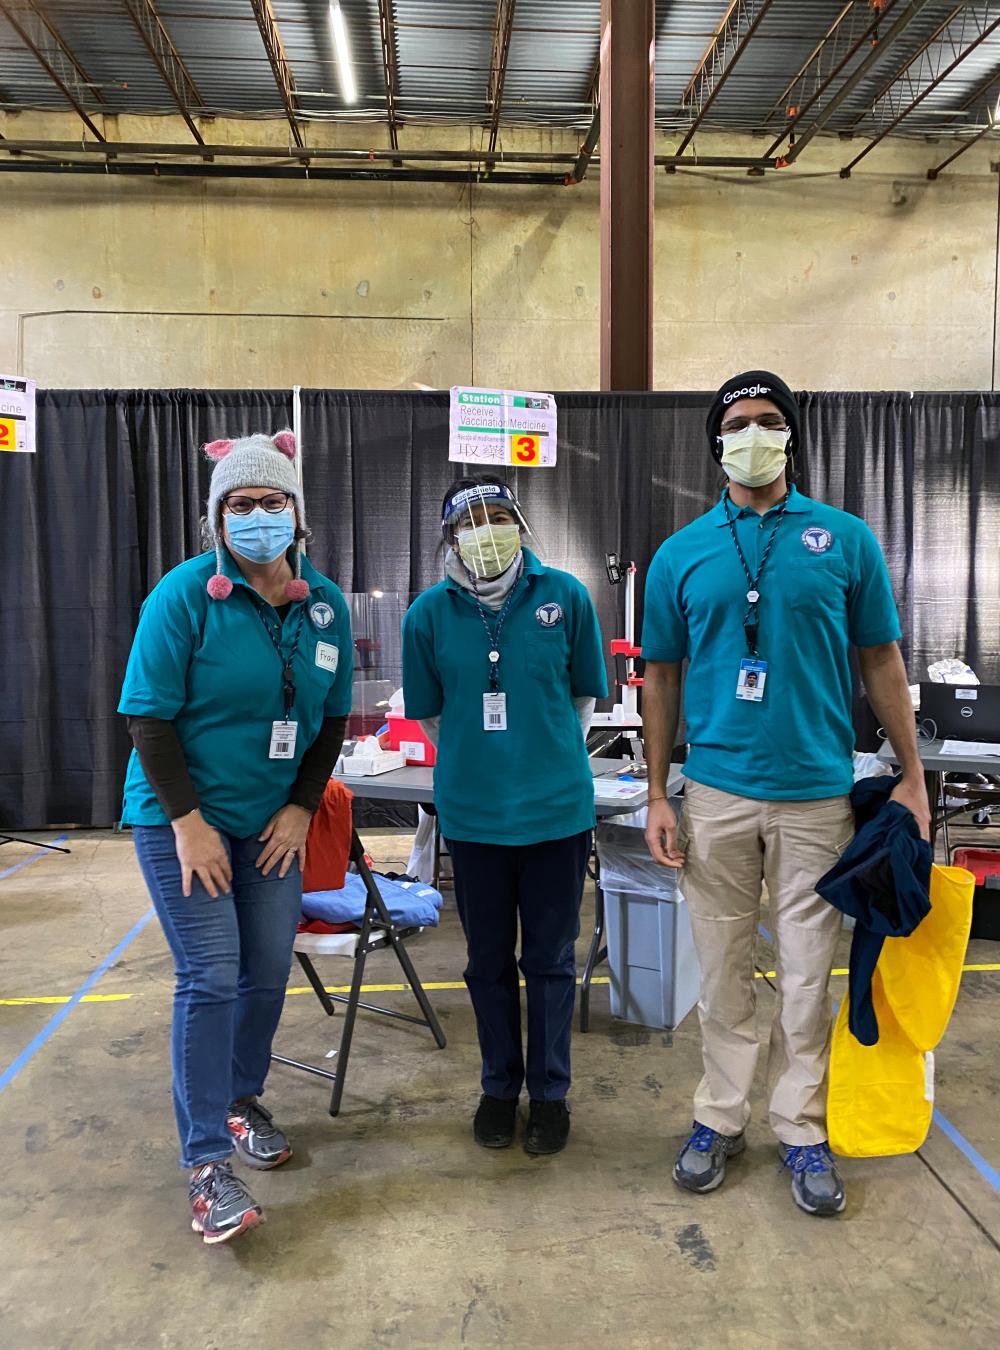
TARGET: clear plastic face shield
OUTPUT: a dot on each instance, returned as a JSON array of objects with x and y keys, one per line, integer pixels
[{"x": 487, "y": 529}]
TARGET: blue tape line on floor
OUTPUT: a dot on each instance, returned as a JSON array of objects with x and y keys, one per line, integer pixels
[
  {"x": 985, "y": 1170},
  {"x": 43, "y": 853},
  {"x": 765, "y": 934},
  {"x": 13, "y": 1069}
]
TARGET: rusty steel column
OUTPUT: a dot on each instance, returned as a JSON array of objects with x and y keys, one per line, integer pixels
[{"x": 628, "y": 36}]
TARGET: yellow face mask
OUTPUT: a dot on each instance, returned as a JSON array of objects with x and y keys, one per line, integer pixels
[{"x": 490, "y": 549}]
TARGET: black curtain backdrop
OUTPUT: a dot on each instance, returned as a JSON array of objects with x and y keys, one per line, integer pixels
[{"x": 113, "y": 499}]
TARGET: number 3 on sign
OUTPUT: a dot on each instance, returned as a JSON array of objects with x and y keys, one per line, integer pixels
[{"x": 524, "y": 448}]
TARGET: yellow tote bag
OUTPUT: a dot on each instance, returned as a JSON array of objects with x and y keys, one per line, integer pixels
[
  {"x": 921, "y": 973},
  {"x": 881, "y": 1097}
]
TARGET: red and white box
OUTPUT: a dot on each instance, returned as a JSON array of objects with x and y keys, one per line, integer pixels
[{"x": 407, "y": 736}]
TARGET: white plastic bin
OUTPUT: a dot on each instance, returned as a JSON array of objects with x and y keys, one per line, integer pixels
[{"x": 654, "y": 969}]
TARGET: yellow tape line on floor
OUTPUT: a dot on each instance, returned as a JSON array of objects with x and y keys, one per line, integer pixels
[
  {"x": 434, "y": 986},
  {"x": 64, "y": 998}
]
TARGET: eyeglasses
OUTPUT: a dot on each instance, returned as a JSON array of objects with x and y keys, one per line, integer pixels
[
  {"x": 272, "y": 503},
  {"x": 766, "y": 422}
]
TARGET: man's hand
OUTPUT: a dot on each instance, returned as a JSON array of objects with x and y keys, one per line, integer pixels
[
  {"x": 201, "y": 853},
  {"x": 661, "y": 834},
  {"x": 285, "y": 838},
  {"x": 912, "y": 793}
]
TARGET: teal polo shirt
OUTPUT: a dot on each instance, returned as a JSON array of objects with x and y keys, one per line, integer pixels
[
  {"x": 532, "y": 782},
  {"x": 825, "y": 587},
  {"x": 210, "y": 667}
]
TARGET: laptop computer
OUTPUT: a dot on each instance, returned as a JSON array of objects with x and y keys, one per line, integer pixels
[{"x": 962, "y": 712}]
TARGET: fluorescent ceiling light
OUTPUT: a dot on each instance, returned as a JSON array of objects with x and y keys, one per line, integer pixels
[{"x": 345, "y": 69}]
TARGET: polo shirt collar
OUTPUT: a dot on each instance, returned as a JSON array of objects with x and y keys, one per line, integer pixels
[
  {"x": 230, "y": 568},
  {"x": 798, "y": 505}
]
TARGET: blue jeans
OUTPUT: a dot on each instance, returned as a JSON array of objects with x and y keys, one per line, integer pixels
[
  {"x": 542, "y": 885},
  {"x": 232, "y": 956}
]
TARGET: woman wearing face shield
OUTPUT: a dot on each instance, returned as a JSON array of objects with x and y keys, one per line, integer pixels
[
  {"x": 237, "y": 690},
  {"x": 502, "y": 663}
]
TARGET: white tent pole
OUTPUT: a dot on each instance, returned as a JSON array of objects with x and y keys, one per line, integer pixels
[{"x": 297, "y": 432}]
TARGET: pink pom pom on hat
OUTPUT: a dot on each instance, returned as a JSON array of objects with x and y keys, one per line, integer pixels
[{"x": 253, "y": 461}]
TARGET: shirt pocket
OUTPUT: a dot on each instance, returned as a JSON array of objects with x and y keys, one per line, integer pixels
[
  {"x": 547, "y": 656},
  {"x": 816, "y": 586}
]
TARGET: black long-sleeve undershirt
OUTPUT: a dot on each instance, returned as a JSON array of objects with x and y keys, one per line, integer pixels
[{"x": 162, "y": 758}]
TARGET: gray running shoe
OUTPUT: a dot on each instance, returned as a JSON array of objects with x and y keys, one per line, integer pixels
[
  {"x": 259, "y": 1142},
  {"x": 701, "y": 1163},
  {"x": 221, "y": 1206},
  {"x": 817, "y": 1186}
]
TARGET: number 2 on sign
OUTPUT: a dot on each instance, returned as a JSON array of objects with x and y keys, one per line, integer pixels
[
  {"x": 8, "y": 441},
  {"x": 524, "y": 448}
]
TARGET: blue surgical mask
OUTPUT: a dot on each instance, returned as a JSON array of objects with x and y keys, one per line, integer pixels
[{"x": 261, "y": 537}]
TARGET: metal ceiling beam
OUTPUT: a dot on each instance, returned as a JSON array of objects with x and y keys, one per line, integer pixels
[
  {"x": 948, "y": 42},
  {"x": 303, "y": 174},
  {"x": 731, "y": 40},
  {"x": 932, "y": 174},
  {"x": 167, "y": 59},
  {"x": 159, "y": 151},
  {"x": 280, "y": 68},
  {"x": 51, "y": 52},
  {"x": 902, "y": 22},
  {"x": 842, "y": 36},
  {"x": 813, "y": 59},
  {"x": 589, "y": 143},
  {"x": 390, "y": 67},
  {"x": 895, "y": 80},
  {"x": 502, "y": 29}
]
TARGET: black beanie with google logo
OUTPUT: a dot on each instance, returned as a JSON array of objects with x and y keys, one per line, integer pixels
[{"x": 752, "y": 384}]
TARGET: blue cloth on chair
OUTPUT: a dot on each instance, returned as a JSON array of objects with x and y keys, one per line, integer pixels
[{"x": 412, "y": 904}]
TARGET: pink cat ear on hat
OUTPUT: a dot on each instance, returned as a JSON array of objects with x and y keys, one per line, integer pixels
[
  {"x": 218, "y": 449},
  {"x": 285, "y": 442}
]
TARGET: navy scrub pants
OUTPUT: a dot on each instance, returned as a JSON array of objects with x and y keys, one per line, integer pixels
[{"x": 542, "y": 885}]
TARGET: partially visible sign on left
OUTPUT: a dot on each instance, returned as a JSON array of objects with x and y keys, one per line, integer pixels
[{"x": 17, "y": 415}]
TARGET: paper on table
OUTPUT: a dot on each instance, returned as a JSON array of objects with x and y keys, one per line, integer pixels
[
  {"x": 971, "y": 749},
  {"x": 609, "y": 791}
]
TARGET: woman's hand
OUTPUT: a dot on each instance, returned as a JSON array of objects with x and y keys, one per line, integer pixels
[
  {"x": 201, "y": 853},
  {"x": 285, "y": 838}
]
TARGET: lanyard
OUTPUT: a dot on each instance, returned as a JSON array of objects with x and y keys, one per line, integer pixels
[
  {"x": 287, "y": 665},
  {"x": 751, "y": 623},
  {"x": 493, "y": 636}
]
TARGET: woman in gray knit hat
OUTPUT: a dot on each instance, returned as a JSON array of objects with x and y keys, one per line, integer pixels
[{"x": 237, "y": 691}]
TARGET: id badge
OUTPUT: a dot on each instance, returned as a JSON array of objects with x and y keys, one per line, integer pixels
[
  {"x": 283, "y": 736},
  {"x": 494, "y": 712},
  {"x": 753, "y": 677}
]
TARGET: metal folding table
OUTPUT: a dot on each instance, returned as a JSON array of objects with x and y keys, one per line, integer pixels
[
  {"x": 413, "y": 784},
  {"x": 935, "y": 767}
]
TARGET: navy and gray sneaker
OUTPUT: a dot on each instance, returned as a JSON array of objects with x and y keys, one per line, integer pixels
[
  {"x": 221, "y": 1206},
  {"x": 259, "y": 1142},
  {"x": 817, "y": 1186},
  {"x": 701, "y": 1163}
]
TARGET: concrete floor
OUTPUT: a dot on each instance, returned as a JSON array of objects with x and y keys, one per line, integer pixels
[{"x": 391, "y": 1229}]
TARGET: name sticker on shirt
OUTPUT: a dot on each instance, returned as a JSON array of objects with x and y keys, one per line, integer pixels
[
  {"x": 495, "y": 712},
  {"x": 753, "y": 677},
  {"x": 327, "y": 656},
  {"x": 283, "y": 736}
]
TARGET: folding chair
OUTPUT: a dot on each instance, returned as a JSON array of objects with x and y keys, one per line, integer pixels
[{"x": 377, "y": 931}]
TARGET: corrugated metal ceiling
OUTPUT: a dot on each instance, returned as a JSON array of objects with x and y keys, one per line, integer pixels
[{"x": 443, "y": 50}]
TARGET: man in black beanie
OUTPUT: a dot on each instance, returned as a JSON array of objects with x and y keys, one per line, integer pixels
[{"x": 763, "y": 597}]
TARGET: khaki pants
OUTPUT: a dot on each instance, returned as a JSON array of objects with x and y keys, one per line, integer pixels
[{"x": 732, "y": 844}]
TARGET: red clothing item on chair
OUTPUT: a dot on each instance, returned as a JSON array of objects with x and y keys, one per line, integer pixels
[{"x": 328, "y": 843}]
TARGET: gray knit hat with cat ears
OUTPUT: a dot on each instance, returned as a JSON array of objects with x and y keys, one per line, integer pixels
[{"x": 253, "y": 461}]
